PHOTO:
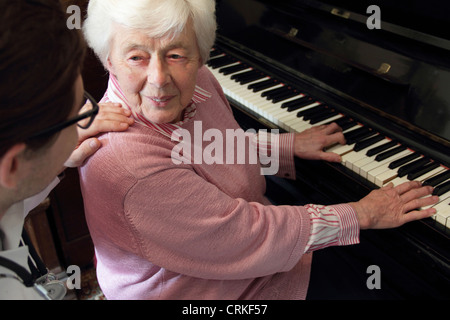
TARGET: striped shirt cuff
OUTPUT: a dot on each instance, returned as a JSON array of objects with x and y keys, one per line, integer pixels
[
  {"x": 280, "y": 147},
  {"x": 335, "y": 225},
  {"x": 287, "y": 164}
]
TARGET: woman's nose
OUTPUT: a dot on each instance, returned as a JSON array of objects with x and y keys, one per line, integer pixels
[{"x": 158, "y": 73}]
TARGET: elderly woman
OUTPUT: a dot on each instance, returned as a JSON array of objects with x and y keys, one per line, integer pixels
[{"x": 164, "y": 229}]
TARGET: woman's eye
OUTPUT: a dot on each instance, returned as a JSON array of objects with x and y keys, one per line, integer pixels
[{"x": 135, "y": 58}]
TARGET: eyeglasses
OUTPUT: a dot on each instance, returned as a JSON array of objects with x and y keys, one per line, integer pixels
[{"x": 83, "y": 120}]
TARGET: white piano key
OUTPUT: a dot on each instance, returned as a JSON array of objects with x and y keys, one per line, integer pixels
[
  {"x": 398, "y": 181},
  {"x": 383, "y": 173},
  {"x": 442, "y": 214},
  {"x": 351, "y": 158},
  {"x": 430, "y": 174},
  {"x": 329, "y": 120},
  {"x": 365, "y": 170},
  {"x": 442, "y": 198}
]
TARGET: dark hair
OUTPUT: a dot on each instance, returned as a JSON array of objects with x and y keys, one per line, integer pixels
[{"x": 40, "y": 60}]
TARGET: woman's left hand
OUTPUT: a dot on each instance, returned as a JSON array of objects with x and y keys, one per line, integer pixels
[
  {"x": 111, "y": 117},
  {"x": 310, "y": 144}
]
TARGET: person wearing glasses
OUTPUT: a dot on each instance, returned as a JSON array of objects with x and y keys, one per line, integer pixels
[{"x": 48, "y": 121}]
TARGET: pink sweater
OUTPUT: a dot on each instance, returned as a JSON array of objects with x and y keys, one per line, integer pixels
[{"x": 189, "y": 231}]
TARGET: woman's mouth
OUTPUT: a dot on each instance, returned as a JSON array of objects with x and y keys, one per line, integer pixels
[{"x": 160, "y": 101}]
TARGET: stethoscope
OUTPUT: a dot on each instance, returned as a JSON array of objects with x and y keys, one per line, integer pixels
[{"x": 40, "y": 279}]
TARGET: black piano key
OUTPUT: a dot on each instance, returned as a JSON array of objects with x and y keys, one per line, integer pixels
[
  {"x": 243, "y": 75},
  {"x": 367, "y": 142},
  {"x": 360, "y": 137},
  {"x": 421, "y": 171},
  {"x": 343, "y": 120},
  {"x": 221, "y": 62},
  {"x": 349, "y": 123},
  {"x": 344, "y": 123},
  {"x": 442, "y": 188},
  {"x": 389, "y": 153},
  {"x": 214, "y": 53},
  {"x": 249, "y": 76},
  {"x": 383, "y": 147},
  {"x": 296, "y": 101},
  {"x": 272, "y": 92},
  {"x": 353, "y": 135},
  {"x": 315, "y": 112},
  {"x": 259, "y": 86},
  {"x": 407, "y": 168},
  {"x": 305, "y": 102},
  {"x": 284, "y": 96},
  {"x": 434, "y": 181},
  {"x": 399, "y": 162},
  {"x": 323, "y": 117},
  {"x": 307, "y": 112},
  {"x": 233, "y": 69}
]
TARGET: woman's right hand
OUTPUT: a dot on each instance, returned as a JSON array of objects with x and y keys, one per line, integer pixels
[{"x": 391, "y": 207}]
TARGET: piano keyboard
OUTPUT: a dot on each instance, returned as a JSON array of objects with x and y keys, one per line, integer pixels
[{"x": 368, "y": 153}]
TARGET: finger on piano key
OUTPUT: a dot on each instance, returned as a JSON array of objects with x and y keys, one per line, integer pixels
[
  {"x": 442, "y": 214},
  {"x": 342, "y": 149}
]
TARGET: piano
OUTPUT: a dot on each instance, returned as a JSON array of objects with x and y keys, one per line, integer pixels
[{"x": 383, "y": 74}]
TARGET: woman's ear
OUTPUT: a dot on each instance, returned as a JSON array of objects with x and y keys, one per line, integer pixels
[
  {"x": 10, "y": 166},
  {"x": 109, "y": 65}
]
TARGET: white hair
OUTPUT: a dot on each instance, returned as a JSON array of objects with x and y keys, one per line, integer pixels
[{"x": 160, "y": 18}]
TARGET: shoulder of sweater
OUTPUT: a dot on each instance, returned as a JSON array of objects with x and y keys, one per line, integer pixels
[
  {"x": 207, "y": 81},
  {"x": 134, "y": 152}
]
